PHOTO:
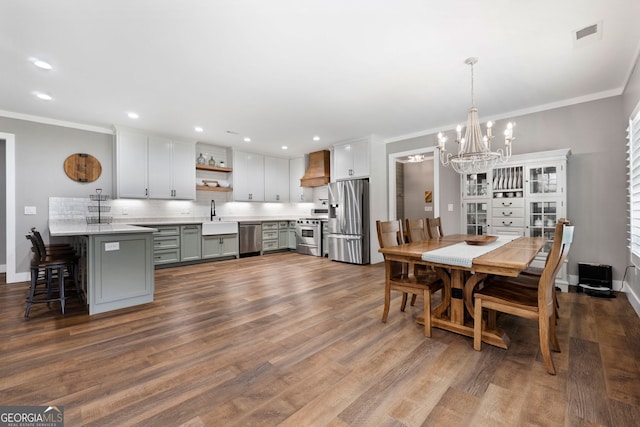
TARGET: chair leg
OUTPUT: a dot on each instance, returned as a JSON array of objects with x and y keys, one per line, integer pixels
[
  {"x": 555, "y": 345},
  {"x": 413, "y": 299},
  {"x": 32, "y": 290},
  {"x": 544, "y": 322},
  {"x": 61, "y": 284},
  {"x": 404, "y": 301},
  {"x": 477, "y": 324},
  {"x": 387, "y": 302},
  {"x": 427, "y": 312}
]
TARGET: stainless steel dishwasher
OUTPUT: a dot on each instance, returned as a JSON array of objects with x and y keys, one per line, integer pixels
[{"x": 250, "y": 238}]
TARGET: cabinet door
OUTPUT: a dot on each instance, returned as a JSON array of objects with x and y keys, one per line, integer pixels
[
  {"x": 298, "y": 194},
  {"x": 477, "y": 217},
  {"x": 360, "y": 159},
  {"x": 547, "y": 180},
  {"x": 229, "y": 245},
  {"x": 183, "y": 171},
  {"x": 343, "y": 161},
  {"x": 211, "y": 247},
  {"x": 190, "y": 242},
  {"x": 160, "y": 168},
  {"x": 475, "y": 185},
  {"x": 131, "y": 165},
  {"x": 276, "y": 179},
  {"x": 283, "y": 239},
  {"x": 248, "y": 177},
  {"x": 541, "y": 217}
]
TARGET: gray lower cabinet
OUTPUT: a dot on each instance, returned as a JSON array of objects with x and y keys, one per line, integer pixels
[
  {"x": 120, "y": 271},
  {"x": 292, "y": 235},
  {"x": 190, "y": 242},
  {"x": 166, "y": 244},
  {"x": 223, "y": 245}
]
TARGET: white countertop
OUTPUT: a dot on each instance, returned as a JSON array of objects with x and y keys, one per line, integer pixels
[{"x": 77, "y": 228}]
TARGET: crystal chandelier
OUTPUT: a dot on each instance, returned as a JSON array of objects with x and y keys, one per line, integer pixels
[{"x": 474, "y": 150}]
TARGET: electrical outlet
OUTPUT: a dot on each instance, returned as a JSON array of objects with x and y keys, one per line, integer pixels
[
  {"x": 125, "y": 210},
  {"x": 428, "y": 208}
]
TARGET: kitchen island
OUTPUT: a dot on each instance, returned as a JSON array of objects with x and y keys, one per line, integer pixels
[{"x": 116, "y": 265}]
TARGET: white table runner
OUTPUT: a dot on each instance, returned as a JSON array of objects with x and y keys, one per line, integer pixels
[{"x": 461, "y": 254}]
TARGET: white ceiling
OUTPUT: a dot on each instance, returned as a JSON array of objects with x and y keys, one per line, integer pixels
[{"x": 282, "y": 71}]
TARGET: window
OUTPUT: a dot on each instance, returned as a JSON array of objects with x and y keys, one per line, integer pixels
[{"x": 634, "y": 187}]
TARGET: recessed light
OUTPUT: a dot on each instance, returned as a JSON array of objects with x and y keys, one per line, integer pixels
[
  {"x": 133, "y": 115},
  {"x": 43, "y": 96},
  {"x": 247, "y": 139},
  {"x": 41, "y": 64},
  {"x": 316, "y": 138},
  {"x": 284, "y": 147},
  {"x": 198, "y": 129}
]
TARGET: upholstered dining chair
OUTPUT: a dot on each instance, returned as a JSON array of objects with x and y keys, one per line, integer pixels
[
  {"x": 434, "y": 227},
  {"x": 532, "y": 303},
  {"x": 398, "y": 277}
]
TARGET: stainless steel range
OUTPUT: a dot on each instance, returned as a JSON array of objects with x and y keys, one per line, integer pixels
[{"x": 309, "y": 236}]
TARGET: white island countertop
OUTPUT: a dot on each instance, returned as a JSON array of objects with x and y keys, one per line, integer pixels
[{"x": 78, "y": 228}]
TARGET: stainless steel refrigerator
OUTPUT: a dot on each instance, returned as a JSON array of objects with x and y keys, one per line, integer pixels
[{"x": 348, "y": 238}]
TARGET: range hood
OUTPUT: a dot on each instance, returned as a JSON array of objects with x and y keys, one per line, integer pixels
[{"x": 318, "y": 173}]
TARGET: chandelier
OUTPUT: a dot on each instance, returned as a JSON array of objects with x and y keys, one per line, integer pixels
[{"x": 474, "y": 150}]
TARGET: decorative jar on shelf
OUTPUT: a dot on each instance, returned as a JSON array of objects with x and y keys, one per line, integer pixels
[
  {"x": 221, "y": 164},
  {"x": 201, "y": 160},
  {"x": 212, "y": 162}
]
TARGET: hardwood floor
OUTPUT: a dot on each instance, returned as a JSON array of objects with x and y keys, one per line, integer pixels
[{"x": 294, "y": 340}]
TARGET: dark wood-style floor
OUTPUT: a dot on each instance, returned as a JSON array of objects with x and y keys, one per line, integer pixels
[{"x": 288, "y": 339}]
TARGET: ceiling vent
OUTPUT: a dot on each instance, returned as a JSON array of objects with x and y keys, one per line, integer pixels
[
  {"x": 318, "y": 172},
  {"x": 588, "y": 34}
]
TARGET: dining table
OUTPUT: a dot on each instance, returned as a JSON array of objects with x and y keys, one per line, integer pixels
[{"x": 507, "y": 256}]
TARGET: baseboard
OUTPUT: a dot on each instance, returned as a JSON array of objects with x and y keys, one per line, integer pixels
[{"x": 20, "y": 277}]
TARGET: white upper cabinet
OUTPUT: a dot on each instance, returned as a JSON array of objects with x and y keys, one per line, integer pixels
[
  {"x": 298, "y": 194},
  {"x": 276, "y": 179},
  {"x": 131, "y": 165},
  {"x": 154, "y": 167},
  {"x": 248, "y": 177},
  {"x": 351, "y": 160}
]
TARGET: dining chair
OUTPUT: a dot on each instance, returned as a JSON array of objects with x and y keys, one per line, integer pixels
[
  {"x": 399, "y": 278},
  {"x": 531, "y": 303},
  {"x": 434, "y": 227},
  {"x": 416, "y": 229},
  {"x": 531, "y": 275}
]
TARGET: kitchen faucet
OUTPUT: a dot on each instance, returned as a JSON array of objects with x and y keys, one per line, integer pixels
[{"x": 213, "y": 209}]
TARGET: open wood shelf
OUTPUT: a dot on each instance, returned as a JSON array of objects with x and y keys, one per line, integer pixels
[
  {"x": 213, "y": 168},
  {"x": 207, "y": 188}
]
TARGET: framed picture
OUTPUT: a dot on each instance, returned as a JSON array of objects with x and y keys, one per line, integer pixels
[{"x": 427, "y": 196}]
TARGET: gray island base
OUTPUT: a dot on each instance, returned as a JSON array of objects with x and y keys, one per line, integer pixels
[{"x": 116, "y": 268}]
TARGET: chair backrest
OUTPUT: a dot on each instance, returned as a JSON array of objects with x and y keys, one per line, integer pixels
[
  {"x": 417, "y": 230},
  {"x": 434, "y": 227},
  {"x": 39, "y": 242},
  {"x": 35, "y": 248},
  {"x": 389, "y": 233},
  {"x": 563, "y": 237}
]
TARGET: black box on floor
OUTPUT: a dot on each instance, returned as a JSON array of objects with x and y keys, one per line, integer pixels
[{"x": 594, "y": 277}]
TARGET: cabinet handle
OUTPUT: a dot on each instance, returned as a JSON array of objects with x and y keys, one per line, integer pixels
[
  {"x": 507, "y": 214},
  {"x": 507, "y": 225},
  {"x": 506, "y": 204}
]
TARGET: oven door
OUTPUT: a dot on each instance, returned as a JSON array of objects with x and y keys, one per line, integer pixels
[{"x": 308, "y": 240}]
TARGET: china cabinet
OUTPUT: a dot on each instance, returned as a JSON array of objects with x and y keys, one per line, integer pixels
[{"x": 523, "y": 197}]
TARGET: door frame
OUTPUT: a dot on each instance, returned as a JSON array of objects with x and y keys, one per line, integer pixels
[
  {"x": 393, "y": 157},
  {"x": 10, "y": 171}
]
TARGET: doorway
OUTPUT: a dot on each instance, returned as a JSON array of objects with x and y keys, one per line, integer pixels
[{"x": 413, "y": 184}]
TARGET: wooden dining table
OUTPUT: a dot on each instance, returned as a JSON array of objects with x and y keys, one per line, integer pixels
[{"x": 455, "y": 311}]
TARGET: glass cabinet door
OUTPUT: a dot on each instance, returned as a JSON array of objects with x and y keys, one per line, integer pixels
[
  {"x": 542, "y": 220},
  {"x": 543, "y": 180},
  {"x": 477, "y": 215},
  {"x": 475, "y": 185}
]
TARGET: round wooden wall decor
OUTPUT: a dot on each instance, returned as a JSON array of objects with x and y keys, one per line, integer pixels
[{"x": 82, "y": 167}]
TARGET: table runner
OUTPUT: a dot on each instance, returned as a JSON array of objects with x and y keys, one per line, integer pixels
[{"x": 461, "y": 254}]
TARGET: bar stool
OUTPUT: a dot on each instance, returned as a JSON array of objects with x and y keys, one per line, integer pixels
[{"x": 47, "y": 268}]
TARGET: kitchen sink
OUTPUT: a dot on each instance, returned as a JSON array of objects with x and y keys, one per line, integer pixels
[{"x": 219, "y": 227}]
